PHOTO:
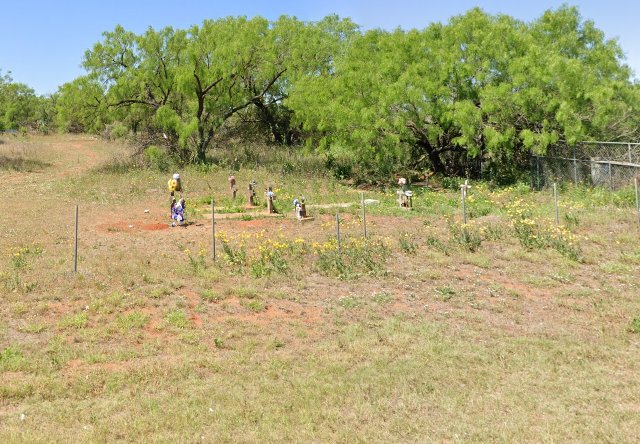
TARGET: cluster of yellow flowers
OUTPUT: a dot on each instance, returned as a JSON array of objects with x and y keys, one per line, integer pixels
[
  {"x": 563, "y": 232},
  {"x": 270, "y": 247},
  {"x": 32, "y": 249},
  {"x": 19, "y": 254},
  {"x": 21, "y": 251},
  {"x": 540, "y": 233},
  {"x": 201, "y": 252},
  {"x": 502, "y": 195},
  {"x": 324, "y": 247},
  {"x": 519, "y": 209}
]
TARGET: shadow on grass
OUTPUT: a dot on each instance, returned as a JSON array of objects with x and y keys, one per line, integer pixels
[{"x": 21, "y": 164}]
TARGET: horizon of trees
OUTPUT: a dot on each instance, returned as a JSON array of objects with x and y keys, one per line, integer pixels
[{"x": 480, "y": 86}]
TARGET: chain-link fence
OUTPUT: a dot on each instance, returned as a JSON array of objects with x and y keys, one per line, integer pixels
[{"x": 610, "y": 164}]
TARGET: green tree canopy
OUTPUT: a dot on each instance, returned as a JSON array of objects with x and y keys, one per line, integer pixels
[
  {"x": 190, "y": 83},
  {"x": 479, "y": 85},
  {"x": 18, "y": 104}
]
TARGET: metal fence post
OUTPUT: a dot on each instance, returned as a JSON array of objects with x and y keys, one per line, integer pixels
[
  {"x": 555, "y": 201},
  {"x": 538, "y": 171},
  {"x": 338, "y": 231},
  {"x": 610, "y": 178},
  {"x": 531, "y": 171},
  {"x": 364, "y": 215},
  {"x": 464, "y": 203},
  {"x": 75, "y": 245},
  {"x": 629, "y": 146},
  {"x": 575, "y": 167},
  {"x": 213, "y": 229},
  {"x": 637, "y": 199}
]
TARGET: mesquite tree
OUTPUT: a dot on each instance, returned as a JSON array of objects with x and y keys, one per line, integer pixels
[
  {"x": 479, "y": 85},
  {"x": 189, "y": 83}
]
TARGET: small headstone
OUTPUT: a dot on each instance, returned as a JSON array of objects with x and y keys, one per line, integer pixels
[
  {"x": 300, "y": 208},
  {"x": 232, "y": 184},
  {"x": 271, "y": 196},
  {"x": 251, "y": 194}
]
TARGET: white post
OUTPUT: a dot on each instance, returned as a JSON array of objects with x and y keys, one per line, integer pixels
[{"x": 463, "y": 189}]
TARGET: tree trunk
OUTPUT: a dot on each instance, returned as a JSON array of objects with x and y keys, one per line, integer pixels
[{"x": 433, "y": 155}]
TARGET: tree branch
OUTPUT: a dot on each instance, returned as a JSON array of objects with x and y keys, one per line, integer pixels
[{"x": 251, "y": 100}]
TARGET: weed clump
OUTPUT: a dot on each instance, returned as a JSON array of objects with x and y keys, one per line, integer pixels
[{"x": 536, "y": 233}]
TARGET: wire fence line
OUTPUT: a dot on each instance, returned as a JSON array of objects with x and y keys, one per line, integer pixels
[{"x": 613, "y": 165}]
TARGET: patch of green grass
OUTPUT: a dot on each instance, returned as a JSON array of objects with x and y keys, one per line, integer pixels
[
  {"x": 211, "y": 295},
  {"x": 255, "y": 305},
  {"x": 34, "y": 328},
  {"x": 479, "y": 261},
  {"x": 107, "y": 304},
  {"x": 11, "y": 359},
  {"x": 562, "y": 277},
  {"x": 349, "y": 302},
  {"x": 133, "y": 320},
  {"x": 357, "y": 257},
  {"x": 634, "y": 327},
  {"x": 177, "y": 319},
  {"x": 76, "y": 321},
  {"x": 631, "y": 258},
  {"x": 20, "y": 308},
  {"x": 615, "y": 268},
  {"x": 445, "y": 293},
  {"x": 407, "y": 243},
  {"x": 382, "y": 298},
  {"x": 157, "y": 293},
  {"x": 242, "y": 292}
]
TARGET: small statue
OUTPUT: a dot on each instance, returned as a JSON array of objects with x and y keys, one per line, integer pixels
[
  {"x": 176, "y": 208},
  {"x": 300, "y": 208},
  {"x": 174, "y": 184},
  {"x": 405, "y": 196},
  {"x": 177, "y": 212}
]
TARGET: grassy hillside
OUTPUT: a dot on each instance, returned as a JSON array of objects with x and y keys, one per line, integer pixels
[{"x": 505, "y": 329}]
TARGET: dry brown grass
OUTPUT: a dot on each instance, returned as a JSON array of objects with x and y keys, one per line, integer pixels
[{"x": 151, "y": 343}]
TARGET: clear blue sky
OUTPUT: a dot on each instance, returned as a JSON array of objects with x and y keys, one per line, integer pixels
[{"x": 42, "y": 42}]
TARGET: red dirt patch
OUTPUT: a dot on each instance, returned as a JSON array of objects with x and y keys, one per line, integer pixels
[
  {"x": 155, "y": 227},
  {"x": 255, "y": 223},
  {"x": 194, "y": 299},
  {"x": 131, "y": 226},
  {"x": 274, "y": 313}
]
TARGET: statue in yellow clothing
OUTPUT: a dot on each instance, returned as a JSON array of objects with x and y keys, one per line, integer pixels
[{"x": 177, "y": 207}]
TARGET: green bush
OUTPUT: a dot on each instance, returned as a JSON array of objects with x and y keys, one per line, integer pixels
[{"x": 157, "y": 158}]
